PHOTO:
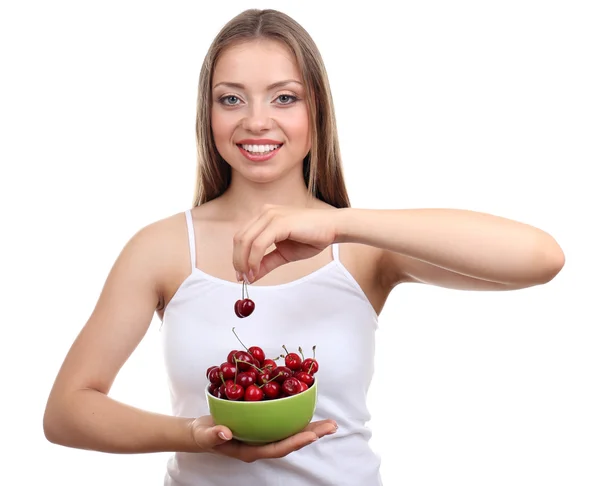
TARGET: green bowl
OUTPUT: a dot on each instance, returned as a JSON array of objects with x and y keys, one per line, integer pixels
[{"x": 267, "y": 420}]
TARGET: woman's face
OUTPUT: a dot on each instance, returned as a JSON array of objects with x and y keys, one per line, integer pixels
[{"x": 259, "y": 115}]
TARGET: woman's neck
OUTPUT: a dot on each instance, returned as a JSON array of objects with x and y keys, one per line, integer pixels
[{"x": 244, "y": 200}]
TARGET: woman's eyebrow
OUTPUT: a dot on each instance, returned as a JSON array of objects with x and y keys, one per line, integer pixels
[{"x": 278, "y": 84}]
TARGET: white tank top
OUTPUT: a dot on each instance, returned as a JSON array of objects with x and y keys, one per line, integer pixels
[{"x": 326, "y": 308}]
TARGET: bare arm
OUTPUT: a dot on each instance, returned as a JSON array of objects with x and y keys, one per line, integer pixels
[
  {"x": 453, "y": 248},
  {"x": 79, "y": 413}
]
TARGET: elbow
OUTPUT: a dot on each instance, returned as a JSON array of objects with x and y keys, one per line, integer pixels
[
  {"x": 50, "y": 425},
  {"x": 54, "y": 423}
]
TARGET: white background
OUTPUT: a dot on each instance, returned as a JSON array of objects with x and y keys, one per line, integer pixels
[{"x": 492, "y": 106}]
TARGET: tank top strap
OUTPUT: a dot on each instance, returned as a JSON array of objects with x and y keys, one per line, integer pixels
[
  {"x": 191, "y": 237},
  {"x": 335, "y": 250}
]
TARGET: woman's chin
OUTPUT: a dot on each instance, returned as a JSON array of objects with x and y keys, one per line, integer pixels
[{"x": 263, "y": 173}]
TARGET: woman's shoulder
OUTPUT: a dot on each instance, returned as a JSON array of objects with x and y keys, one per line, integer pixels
[
  {"x": 161, "y": 242},
  {"x": 169, "y": 234},
  {"x": 173, "y": 225},
  {"x": 160, "y": 232}
]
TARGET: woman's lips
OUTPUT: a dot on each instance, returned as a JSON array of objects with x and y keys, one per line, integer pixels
[{"x": 259, "y": 157}]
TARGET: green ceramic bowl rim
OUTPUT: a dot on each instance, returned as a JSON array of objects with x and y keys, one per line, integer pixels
[{"x": 259, "y": 401}]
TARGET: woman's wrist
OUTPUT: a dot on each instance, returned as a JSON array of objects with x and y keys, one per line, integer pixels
[
  {"x": 186, "y": 435},
  {"x": 343, "y": 224},
  {"x": 352, "y": 225}
]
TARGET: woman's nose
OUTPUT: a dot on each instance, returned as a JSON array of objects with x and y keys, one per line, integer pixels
[{"x": 257, "y": 119}]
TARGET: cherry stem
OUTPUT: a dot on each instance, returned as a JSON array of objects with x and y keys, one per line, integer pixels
[
  {"x": 276, "y": 376},
  {"x": 236, "y": 369},
  {"x": 245, "y": 287},
  {"x": 222, "y": 378},
  {"x": 240, "y": 341},
  {"x": 286, "y": 351},
  {"x": 301, "y": 353},
  {"x": 259, "y": 369},
  {"x": 314, "y": 357}
]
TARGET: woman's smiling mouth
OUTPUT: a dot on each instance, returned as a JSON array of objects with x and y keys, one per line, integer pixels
[{"x": 259, "y": 150}]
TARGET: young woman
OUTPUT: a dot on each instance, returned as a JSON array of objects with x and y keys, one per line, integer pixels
[{"x": 271, "y": 208}]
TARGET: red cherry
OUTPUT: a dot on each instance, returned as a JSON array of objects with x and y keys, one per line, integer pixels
[
  {"x": 246, "y": 307},
  {"x": 305, "y": 377},
  {"x": 271, "y": 389},
  {"x": 228, "y": 370},
  {"x": 264, "y": 377},
  {"x": 244, "y": 379},
  {"x": 215, "y": 375},
  {"x": 258, "y": 354},
  {"x": 237, "y": 308},
  {"x": 303, "y": 387},
  {"x": 244, "y": 360},
  {"x": 252, "y": 358},
  {"x": 231, "y": 355},
  {"x": 253, "y": 373},
  {"x": 253, "y": 394},
  {"x": 213, "y": 388},
  {"x": 293, "y": 361},
  {"x": 291, "y": 386},
  {"x": 209, "y": 370},
  {"x": 310, "y": 365},
  {"x": 269, "y": 364},
  {"x": 281, "y": 373},
  {"x": 223, "y": 388},
  {"x": 234, "y": 392}
]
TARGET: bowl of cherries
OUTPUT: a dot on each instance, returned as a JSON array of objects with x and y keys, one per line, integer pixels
[{"x": 259, "y": 400}]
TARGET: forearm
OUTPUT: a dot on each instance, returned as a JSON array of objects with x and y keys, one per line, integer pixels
[
  {"x": 91, "y": 420},
  {"x": 475, "y": 244}
]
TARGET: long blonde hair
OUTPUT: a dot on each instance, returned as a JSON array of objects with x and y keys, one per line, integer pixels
[{"x": 322, "y": 166}]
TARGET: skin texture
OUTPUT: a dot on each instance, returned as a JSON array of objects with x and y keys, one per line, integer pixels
[
  {"x": 266, "y": 229},
  {"x": 250, "y": 110}
]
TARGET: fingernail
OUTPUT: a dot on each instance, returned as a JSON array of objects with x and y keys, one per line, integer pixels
[
  {"x": 246, "y": 279},
  {"x": 238, "y": 276},
  {"x": 314, "y": 440},
  {"x": 222, "y": 435},
  {"x": 251, "y": 275}
]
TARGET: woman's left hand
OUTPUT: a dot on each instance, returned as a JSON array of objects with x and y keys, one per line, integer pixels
[{"x": 296, "y": 233}]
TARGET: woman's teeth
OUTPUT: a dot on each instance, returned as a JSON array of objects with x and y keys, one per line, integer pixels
[{"x": 260, "y": 149}]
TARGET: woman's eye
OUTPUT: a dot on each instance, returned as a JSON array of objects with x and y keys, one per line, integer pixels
[
  {"x": 229, "y": 100},
  {"x": 285, "y": 99}
]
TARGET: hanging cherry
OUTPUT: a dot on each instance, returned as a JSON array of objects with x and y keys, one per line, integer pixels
[{"x": 245, "y": 306}]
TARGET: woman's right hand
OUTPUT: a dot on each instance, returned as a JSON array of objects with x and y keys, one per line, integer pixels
[{"x": 218, "y": 439}]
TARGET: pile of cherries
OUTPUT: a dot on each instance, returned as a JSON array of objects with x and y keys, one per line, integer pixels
[{"x": 248, "y": 376}]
